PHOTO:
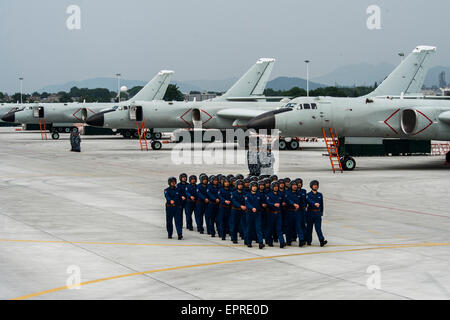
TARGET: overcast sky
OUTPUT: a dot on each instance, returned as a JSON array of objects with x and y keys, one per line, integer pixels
[{"x": 207, "y": 39}]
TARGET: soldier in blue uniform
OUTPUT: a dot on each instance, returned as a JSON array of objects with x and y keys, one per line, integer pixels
[
  {"x": 232, "y": 184},
  {"x": 223, "y": 216},
  {"x": 262, "y": 190},
  {"x": 294, "y": 202},
  {"x": 213, "y": 205},
  {"x": 238, "y": 210},
  {"x": 314, "y": 214},
  {"x": 173, "y": 208},
  {"x": 182, "y": 188},
  {"x": 253, "y": 203},
  {"x": 301, "y": 221},
  {"x": 287, "y": 182},
  {"x": 274, "y": 201},
  {"x": 191, "y": 199},
  {"x": 202, "y": 202},
  {"x": 267, "y": 183},
  {"x": 247, "y": 185}
]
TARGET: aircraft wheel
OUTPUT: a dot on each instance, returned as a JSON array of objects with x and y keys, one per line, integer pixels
[
  {"x": 348, "y": 164},
  {"x": 156, "y": 145},
  {"x": 135, "y": 134},
  {"x": 60, "y": 130},
  {"x": 293, "y": 145},
  {"x": 67, "y": 130},
  {"x": 447, "y": 157},
  {"x": 75, "y": 129},
  {"x": 157, "y": 135},
  {"x": 148, "y": 135},
  {"x": 55, "y": 135},
  {"x": 282, "y": 144},
  {"x": 127, "y": 134}
]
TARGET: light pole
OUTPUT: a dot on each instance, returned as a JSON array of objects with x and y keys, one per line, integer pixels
[
  {"x": 118, "y": 75},
  {"x": 307, "y": 77},
  {"x": 21, "y": 89}
]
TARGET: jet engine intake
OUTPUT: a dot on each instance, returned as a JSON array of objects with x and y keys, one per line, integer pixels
[
  {"x": 84, "y": 114},
  {"x": 409, "y": 121}
]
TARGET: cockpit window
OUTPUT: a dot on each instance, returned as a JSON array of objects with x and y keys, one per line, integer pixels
[
  {"x": 115, "y": 108},
  {"x": 290, "y": 105},
  {"x": 299, "y": 107},
  {"x": 306, "y": 106},
  {"x": 313, "y": 106},
  {"x": 125, "y": 108}
]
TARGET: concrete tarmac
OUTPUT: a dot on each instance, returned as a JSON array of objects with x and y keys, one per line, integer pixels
[{"x": 98, "y": 217}]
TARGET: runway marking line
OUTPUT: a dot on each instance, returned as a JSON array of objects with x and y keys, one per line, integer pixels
[
  {"x": 29, "y": 296},
  {"x": 182, "y": 245}
]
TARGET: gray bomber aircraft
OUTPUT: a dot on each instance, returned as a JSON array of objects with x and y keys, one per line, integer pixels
[
  {"x": 376, "y": 115},
  {"x": 62, "y": 116},
  {"x": 243, "y": 101}
]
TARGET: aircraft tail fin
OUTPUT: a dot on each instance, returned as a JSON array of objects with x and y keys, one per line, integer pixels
[
  {"x": 156, "y": 88},
  {"x": 253, "y": 82},
  {"x": 409, "y": 76}
]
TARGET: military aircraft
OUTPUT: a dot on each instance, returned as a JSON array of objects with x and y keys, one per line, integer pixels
[
  {"x": 61, "y": 116},
  {"x": 243, "y": 101},
  {"x": 403, "y": 116}
]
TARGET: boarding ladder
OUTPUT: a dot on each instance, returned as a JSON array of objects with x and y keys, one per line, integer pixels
[
  {"x": 43, "y": 129},
  {"x": 332, "y": 143},
  {"x": 142, "y": 134}
]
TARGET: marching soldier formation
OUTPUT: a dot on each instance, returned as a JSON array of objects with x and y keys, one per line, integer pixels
[{"x": 260, "y": 209}]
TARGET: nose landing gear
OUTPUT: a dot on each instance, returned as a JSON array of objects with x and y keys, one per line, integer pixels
[{"x": 348, "y": 163}]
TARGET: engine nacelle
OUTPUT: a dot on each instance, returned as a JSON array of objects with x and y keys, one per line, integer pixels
[
  {"x": 414, "y": 122},
  {"x": 445, "y": 117}
]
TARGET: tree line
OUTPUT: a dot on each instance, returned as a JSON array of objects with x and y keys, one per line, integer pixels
[
  {"x": 172, "y": 94},
  {"x": 350, "y": 92},
  {"x": 76, "y": 94}
]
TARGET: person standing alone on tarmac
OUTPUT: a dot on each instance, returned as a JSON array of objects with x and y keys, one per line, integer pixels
[
  {"x": 75, "y": 141},
  {"x": 314, "y": 214},
  {"x": 173, "y": 208},
  {"x": 254, "y": 166}
]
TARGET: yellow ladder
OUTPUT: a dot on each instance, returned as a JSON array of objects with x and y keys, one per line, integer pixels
[{"x": 332, "y": 142}]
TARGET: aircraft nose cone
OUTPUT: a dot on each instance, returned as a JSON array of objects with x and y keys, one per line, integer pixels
[
  {"x": 263, "y": 121},
  {"x": 96, "y": 120},
  {"x": 266, "y": 120},
  {"x": 9, "y": 117}
]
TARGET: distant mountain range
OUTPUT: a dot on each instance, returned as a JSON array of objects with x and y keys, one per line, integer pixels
[
  {"x": 349, "y": 76},
  {"x": 356, "y": 75}
]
